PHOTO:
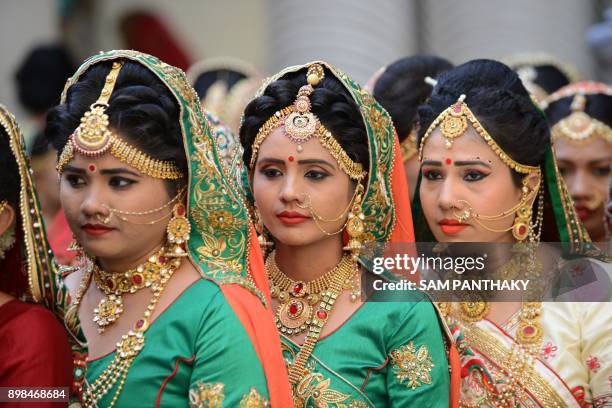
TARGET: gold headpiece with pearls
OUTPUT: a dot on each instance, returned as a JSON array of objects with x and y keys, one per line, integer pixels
[
  {"x": 93, "y": 138},
  {"x": 578, "y": 126},
  {"x": 453, "y": 123},
  {"x": 300, "y": 125}
]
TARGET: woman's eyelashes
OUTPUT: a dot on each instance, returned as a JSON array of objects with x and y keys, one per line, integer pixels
[
  {"x": 312, "y": 174},
  {"x": 75, "y": 180},
  {"x": 120, "y": 182},
  {"x": 474, "y": 175},
  {"x": 316, "y": 175},
  {"x": 270, "y": 172},
  {"x": 431, "y": 174},
  {"x": 601, "y": 171},
  {"x": 115, "y": 182},
  {"x": 469, "y": 175}
]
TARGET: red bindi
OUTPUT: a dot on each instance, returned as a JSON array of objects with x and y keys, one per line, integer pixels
[
  {"x": 291, "y": 158},
  {"x": 448, "y": 161},
  {"x": 92, "y": 168}
]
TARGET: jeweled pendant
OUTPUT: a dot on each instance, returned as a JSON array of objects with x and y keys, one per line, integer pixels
[
  {"x": 108, "y": 311},
  {"x": 293, "y": 316}
]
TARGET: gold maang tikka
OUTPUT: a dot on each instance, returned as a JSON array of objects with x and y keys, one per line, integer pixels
[
  {"x": 578, "y": 126},
  {"x": 93, "y": 138},
  {"x": 453, "y": 123},
  {"x": 301, "y": 125}
]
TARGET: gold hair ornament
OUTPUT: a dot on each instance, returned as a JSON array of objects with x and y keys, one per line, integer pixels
[
  {"x": 453, "y": 123},
  {"x": 301, "y": 125},
  {"x": 578, "y": 126},
  {"x": 93, "y": 138}
]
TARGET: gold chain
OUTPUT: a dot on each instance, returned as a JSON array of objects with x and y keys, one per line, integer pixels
[{"x": 127, "y": 348}]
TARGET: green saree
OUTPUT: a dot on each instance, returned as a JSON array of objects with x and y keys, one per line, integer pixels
[
  {"x": 387, "y": 354},
  {"x": 213, "y": 347}
]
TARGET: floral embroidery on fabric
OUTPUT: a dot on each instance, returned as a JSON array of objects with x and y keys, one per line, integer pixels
[
  {"x": 593, "y": 364},
  {"x": 253, "y": 400},
  {"x": 315, "y": 387},
  {"x": 412, "y": 366},
  {"x": 549, "y": 350},
  {"x": 206, "y": 395}
]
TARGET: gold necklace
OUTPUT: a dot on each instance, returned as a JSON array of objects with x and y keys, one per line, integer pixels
[
  {"x": 129, "y": 346},
  {"x": 529, "y": 332},
  {"x": 298, "y": 298},
  {"x": 346, "y": 270},
  {"x": 114, "y": 285}
]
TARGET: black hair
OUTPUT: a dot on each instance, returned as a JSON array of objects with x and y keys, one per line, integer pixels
[
  {"x": 204, "y": 81},
  {"x": 41, "y": 77},
  {"x": 331, "y": 103},
  {"x": 548, "y": 77},
  {"x": 402, "y": 88},
  {"x": 598, "y": 106},
  {"x": 10, "y": 183},
  {"x": 501, "y": 103},
  {"x": 41, "y": 145},
  {"x": 141, "y": 108}
]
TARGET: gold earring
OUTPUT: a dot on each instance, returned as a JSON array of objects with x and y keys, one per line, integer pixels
[
  {"x": 178, "y": 231},
  {"x": 520, "y": 228},
  {"x": 74, "y": 245},
  {"x": 261, "y": 230},
  {"x": 355, "y": 227}
]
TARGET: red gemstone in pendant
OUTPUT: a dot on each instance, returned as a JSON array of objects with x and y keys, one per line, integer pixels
[
  {"x": 297, "y": 288},
  {"x": 110, "y": 284},
  {"x": 529, "y": 331},
  {"x": 137, "y": 279},
  {"x": 522, "y": 230},
  {"x": 140, "y": 323},
  {"x": 180, "y": 210},
  {"x": 457, "y": 108},
  {"x": 162, "y": 259},
  {"x": 293, "y": 309},
  {"x": 322, "y": 314}
]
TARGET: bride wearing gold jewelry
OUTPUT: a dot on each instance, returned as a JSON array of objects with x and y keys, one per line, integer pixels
[
  {"x": 580, "y": 116},
  {"x": 326, "y": 179},
  {"x": 167, "y": 306},
  {"x": 488, "y": 174}
]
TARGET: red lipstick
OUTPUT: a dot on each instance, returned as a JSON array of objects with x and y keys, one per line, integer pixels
[
  {"x": 583, "y": 212},
  {"x": 292, "y": 217},
  {"x": 96, "y": 229},
  {"x": 451, "y": 227}
]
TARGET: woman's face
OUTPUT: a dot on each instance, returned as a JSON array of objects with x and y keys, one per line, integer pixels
[
  {"x": 586, "y": 170},
  {"x": 90, "y": 186},
  {"x": 285, "y": 181},
  {"x": 467, "y": 174}
]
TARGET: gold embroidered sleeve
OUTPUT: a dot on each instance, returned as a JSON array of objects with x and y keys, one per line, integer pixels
[
  {"x": 254, "y": 400},
  {"x": 206, "y": 395},
  {"x": 412, "y": 365}
]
